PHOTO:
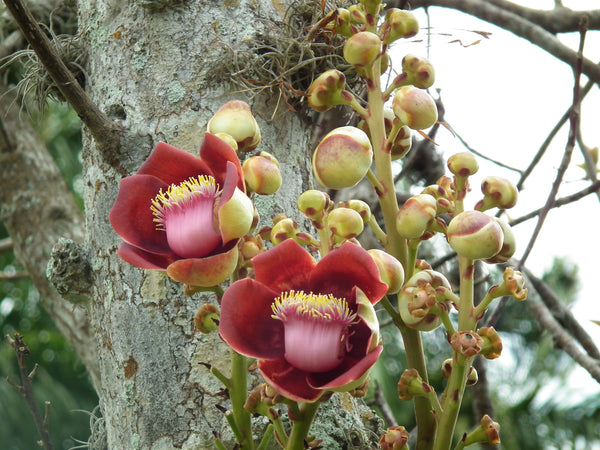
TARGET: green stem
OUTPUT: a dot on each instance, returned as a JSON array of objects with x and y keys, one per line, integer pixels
[
  {"x": 300, "y": 429},
  {"x": 238, "y": 392},
  {"x": 377, "y": 231},
  {"x": 264, "y": 442}
]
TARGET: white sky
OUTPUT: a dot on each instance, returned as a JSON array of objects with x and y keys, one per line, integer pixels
[{"x": 503, "y": 96}]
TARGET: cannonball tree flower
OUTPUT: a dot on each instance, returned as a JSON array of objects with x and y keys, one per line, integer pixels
[
  {"x": 311, "y": 325},
  {"x": 184, "y": 214}
]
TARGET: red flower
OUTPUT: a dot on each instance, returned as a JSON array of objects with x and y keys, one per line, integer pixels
[
  {"x": 310, "y": 324},
  {"x": 184, "y": 214}
]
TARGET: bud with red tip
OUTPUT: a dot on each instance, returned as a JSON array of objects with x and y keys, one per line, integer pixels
[
  {"x": 235, "y": 119},
  {"x": 345, "y": 223},
  {"x": 419, "y": 72},
  {"x": 342, "y": 158},
  {"x": 475, "y": 235},
  {"x": 509, "y": 244},
  {"x": 398, "y": 24},
  {"x": 415, "y": 216},
  {"x": 362, "y": 49},
  {"x": 391, "y": 271},
  {"x": 463, "y": 164},
  {"x": 414, "y": 107},
  {"x": 498, "y": 193},
  {"x": 328, "y": 90},
  {"x": 261, "y": 173}
]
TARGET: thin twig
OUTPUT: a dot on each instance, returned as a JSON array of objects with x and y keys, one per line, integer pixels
[
  {"x": 6, "y": 244},
  {"x": 26, "y": 390},
  {"x": 105, "y": 132},
  {"x": 563, "y": 315},
  {"x": 593, "y": 188},
  {"x": 13, "y": 276},
  {"x": 574, "y": 124},
  {"x": 384, "y": 407}
]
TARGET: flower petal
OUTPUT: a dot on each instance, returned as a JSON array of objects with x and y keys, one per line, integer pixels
[
  {"x": 349, "y": 374},
  {"x": 285, "y": 267},
  {"x": 216, "y": 153},
  {"x": 288, "y": 381},
  {"x": 142, "y": 259},
  {"x": 345, "y": 267},
  {"x": 173, "y": 165},
  {"x": 236, "y": 210},
  {"x": 246, "y": 323},
  {"x": 132, "y": 218},
  {"x": 205, "y": 272}
]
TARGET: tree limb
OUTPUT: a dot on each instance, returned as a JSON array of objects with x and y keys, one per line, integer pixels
[
  {"x": 521, "y": 27},
  {"x": 105, "y": 132}
]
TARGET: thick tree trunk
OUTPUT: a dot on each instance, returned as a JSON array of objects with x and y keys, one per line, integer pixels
[{"x": 149, "y": 69}]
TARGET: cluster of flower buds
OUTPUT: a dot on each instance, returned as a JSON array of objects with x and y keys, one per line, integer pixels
[{"x": 423, "y": 298}]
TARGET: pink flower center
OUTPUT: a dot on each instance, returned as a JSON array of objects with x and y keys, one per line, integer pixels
[
  {"x": 186, "y": 213},
  {"x": 315, "y": 328}
]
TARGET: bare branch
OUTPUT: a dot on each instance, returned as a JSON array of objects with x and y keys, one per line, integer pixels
[
  {"x": 574, "y": 126},
  {"x": 521, "y": 27},
  {"x": 22, "y": 352},
  {"x": 6, "y": 244},
  {"x": 105, "y": 132}
]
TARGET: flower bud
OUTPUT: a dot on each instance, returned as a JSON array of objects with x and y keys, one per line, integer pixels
[
  {"x": 236, "y": 119},
  {"x": 444, "y": 199},
  {"x": 398, "y": 24},
  {"x": 414, "y": 107},
  {"x": 402, "y": 143},
  {"x": 447, "y": 368},
  {"x": 472, "y": 376},
  {"x": 492, "y": 344},
  {"x": 415, "y": 216},
  {"x": 228, "y": 139},
  {"x": 282, "y": 230},
  {"x": 357, "y": 15},
  {"x": 360, "y": 207},
  {"x": 509, "y": 244},
  {"x": 362, "y": 49},
  {"x": 345, "y": 223},
  {"x": 419, "y": 71},
  {"x": 342, "y": 23},
  {"x": 342, "y": 158},
  {"x": 488, "y": 431},
  {"x": 251, "y": 246},
  {"x": 391, "y": 271},
  {"x": 412, "y": 385},
  {"x": 262, "y": 174},
  {"x": 395, "y": 438},
  {"x": 463, "y": 164},
  {"x": 498, "y": 193},
  {"x": 420, "y": 299},
  {"x": 207, "y": 318},
  {"x": 371, "y": 6},
  {"x": 514, "y": 283},
  {"x": 475, "y": 235},
  {"x": 313, "y": 204},
  {"x": 328, "y": 91},
  {"x": 467, "y": 343}
]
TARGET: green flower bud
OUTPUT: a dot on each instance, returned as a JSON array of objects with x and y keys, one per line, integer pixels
[
  {"x": 419, "y": 71},
  {"x": 498, "y": 193},
  {"x": 474, "y": 235},
  {"x": 313, "y": 204},
  {"x": 360, "y": 207},
  {"x": 447, "y": 368},
  {"x": 472, "y": 376},
  {"x": 412, "y": 385},
  {"x": 342, "y": 158},
  {"x": 357, "y": 15},
  {"x": 342, "y": 23},
  {"x": 415, "y": 216},
  {"x": 402, "y": 143},
  {"x": 345, "y": 223},
  {"x": 398, "y": 24},
  {"x": 463, "y": 164},
  {"x": 284, "y": 229},
  {"x": 362, "y": 49},
  {"x": 328, "y": 91},
  {"x": 509, "y": 244},
  {"x": 371, "y": 6},
  {"x": 445, "y": 201},
  {"x": 414, "y": 107},
  {"x": 235, "y": 119},
  {"x": 391, "y": 271},
  {"x": 262, "y": 174},
  {"x": 488, "y": 431}
]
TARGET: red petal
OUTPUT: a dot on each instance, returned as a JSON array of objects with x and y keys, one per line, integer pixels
[
  {"x": 350, "y": 370},
  {"x": 345, "y": 267},
  {"x": 285, "y": 267},
  {"x": 288, "y": 381},
  {"x": 228, "y": 188},
  {"x": 131, "y": 216},
  {"x": 246, "y": 323},
  {"x": 205, "y": 272},
  {"x": 143, "y": 259},
  {"x": 216, "y": 153},
  {"x": 173, "y": 165}
]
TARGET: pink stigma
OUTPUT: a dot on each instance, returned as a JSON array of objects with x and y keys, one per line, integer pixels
[
  {"x": 315, "y": 328},
  {"x": 186, "y": 213}
]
